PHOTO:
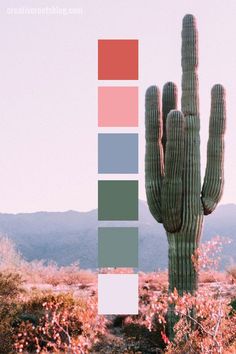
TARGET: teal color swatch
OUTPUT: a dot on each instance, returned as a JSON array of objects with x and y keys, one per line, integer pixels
[{"x": 118, "y": 247}]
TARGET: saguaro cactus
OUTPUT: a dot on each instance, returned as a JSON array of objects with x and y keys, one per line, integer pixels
[{"x": 172, "y": 162}]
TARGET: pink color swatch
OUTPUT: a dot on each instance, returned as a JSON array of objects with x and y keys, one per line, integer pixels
[{"x": 118, "y": 106}]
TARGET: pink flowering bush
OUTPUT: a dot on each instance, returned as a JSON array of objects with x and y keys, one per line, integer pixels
[
  {"x": 65, "y": 325},
  {"x": 206, "y": 321}
]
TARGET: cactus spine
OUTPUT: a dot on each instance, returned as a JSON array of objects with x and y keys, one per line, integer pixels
[{"x": 172, "y": 162}]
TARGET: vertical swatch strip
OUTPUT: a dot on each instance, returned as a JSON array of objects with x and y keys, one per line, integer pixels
[{"x": 118, "y": 153}]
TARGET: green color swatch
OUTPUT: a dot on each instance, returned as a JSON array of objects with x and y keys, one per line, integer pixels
[
  {"x": 117, "y": 200},
  {"x": 118, "y": 247}
]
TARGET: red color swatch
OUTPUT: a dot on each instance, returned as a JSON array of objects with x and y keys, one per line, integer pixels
[{"x": 117, "y": 59}]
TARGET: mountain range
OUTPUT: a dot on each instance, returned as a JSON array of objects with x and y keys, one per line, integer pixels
[{"x": 71, "y": 236}]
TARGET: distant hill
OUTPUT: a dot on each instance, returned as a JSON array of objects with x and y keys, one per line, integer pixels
[{"x": 67, "y": 237}]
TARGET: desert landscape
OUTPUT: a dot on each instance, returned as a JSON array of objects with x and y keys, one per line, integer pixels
[{"x": 50, "y": 308}]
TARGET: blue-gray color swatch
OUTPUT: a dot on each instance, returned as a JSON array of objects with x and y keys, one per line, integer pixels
[{"x": 117, "y": 153}]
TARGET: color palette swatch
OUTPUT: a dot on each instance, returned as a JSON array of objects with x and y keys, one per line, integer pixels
[
  {"x": 117, "y": 153},
  {"x": 117, "y": 197},
  {"x": 118, "y": 106},
  {"x": 117, "y": 59},
  {"x": 117, "y": 247},
  {"x": 118, "y": 294},
  {"x": 117, "y": 200}
]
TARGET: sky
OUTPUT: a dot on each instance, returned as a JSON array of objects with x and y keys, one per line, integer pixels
[{"x": 48, "y": 91}]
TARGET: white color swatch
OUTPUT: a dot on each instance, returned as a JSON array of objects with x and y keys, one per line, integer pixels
[{"x": 118, "y": 294}]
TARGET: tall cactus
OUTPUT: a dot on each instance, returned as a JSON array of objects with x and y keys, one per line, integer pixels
[{"x": 172, "y": 162}]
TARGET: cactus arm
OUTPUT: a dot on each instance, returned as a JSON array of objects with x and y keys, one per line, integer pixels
[
  {"x": 192, "y": 205},
  {"x": 189, "y": 62},
  {"x": 172, "y": 182},
  {"x": 214, "y": 176},
  {"x": 154, "y": 161},
  {"x": 169, "y": 102}
]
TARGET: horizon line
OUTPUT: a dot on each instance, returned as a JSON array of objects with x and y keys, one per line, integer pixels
[{"x": 81, "y": 211}]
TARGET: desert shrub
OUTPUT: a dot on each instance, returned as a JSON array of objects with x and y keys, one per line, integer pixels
[
  {"x": 61, "y": 323},
  {"x": 10, "y": 291},
  {"x": 10, "y": 257},
  {"x": 10, "y": 285},
  {"x": 210, "y": 330}
]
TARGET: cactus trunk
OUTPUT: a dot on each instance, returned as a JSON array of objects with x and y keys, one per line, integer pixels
[
  {"x": 182, "y": 245},
  {"x": 182, "y": 272}
]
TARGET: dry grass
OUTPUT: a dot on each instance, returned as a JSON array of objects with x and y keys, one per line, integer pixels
[
  {"x": 155, "y": 281},
  {"x": 40, "y": 272},
  {"x": 116, "y": 271},
  {"x": 37, "y": 272},
  {"x": 212, "y": 277},
  {"x": 231, "y": 271}
]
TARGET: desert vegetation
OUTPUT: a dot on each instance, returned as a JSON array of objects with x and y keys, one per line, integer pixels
[{"x": 49, "y": 309}]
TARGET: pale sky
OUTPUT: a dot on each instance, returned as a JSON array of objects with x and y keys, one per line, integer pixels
[{"x": 48, "y": 91}]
